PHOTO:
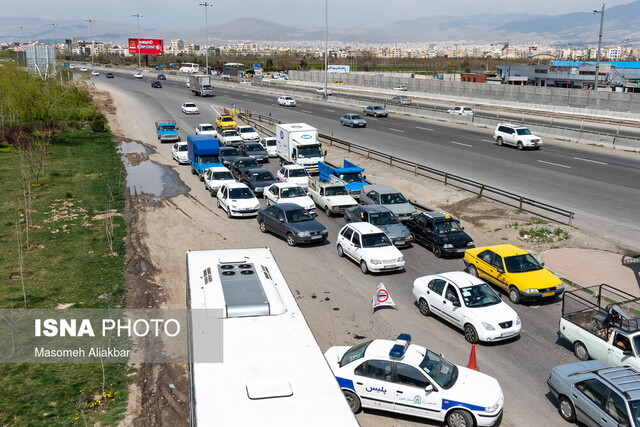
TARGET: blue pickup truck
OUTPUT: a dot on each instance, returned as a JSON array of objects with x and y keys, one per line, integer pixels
[
  {"x": 349, "y": 175},
  {"x": 167, "y": 130},
  {"x": 203, "y": 152}
]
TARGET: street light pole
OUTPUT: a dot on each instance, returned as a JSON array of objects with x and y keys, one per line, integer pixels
[
  {"x": 326, "y": 46},
  {"x": 138, "y": 16},
  {"x": 601, "y": 12},
  {"x": 455, "y": 67},
  {"x": 206, "y": 30},
  {"x": 93, "y": 44},
  {"x": 55, "y": 38},
  {"x": 570, "y": 52}
]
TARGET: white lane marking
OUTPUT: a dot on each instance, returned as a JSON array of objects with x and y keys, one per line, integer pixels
[
  {"x": 269, "y": 99},
  {"x": 309, "y": 112},
  {"x": 331, "y": 111},
  {"x": 246, "y": 96},
  {"x": 555, "y": 164},
  {"x": 461, "y": 143},
  {"x": 420, "y": 127},
  {"x": 226, "y": 91},
  {"x": 491, "y": 140},
  {"x": 396, "y": 130},
  {"x": 592, "y": 161},
  {"x": 218, "y": 113}
]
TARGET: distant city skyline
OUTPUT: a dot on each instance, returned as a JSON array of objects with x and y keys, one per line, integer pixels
[{"x": 174, "y": 14}]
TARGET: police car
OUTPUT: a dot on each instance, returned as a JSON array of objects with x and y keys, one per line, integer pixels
[{"x": 409, "y": 379}]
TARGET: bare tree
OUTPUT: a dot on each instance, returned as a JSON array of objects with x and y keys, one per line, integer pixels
[{"x": 21, "y": 255}]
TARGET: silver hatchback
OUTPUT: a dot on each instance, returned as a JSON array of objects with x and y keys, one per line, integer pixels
[{"x": 353, "y": 120}]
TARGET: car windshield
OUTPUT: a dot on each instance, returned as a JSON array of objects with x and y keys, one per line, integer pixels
[
  {"x": 351, "y": 177},
  {"x": 289, "y": 192},
  {"x": 440, "y": 369},
  {"x": 209, "y": 159},
  {"x": 249, "y": 163},
  {"x": 376, "y": 107},
  {"x": 309, "y": 151},
  {"x": 298, "y": 215},
  {"x": 288, "y": 98},
  {"x": 522, "y": 263},
  {"x": 226, "y": 119},
  {"x": 229, "y": 151},
  {"x": 298, "y": 173},
  {"x": 479, "y": 296},
  {"x": 240, "y": 193},
  {"x": 336, "y": 191},
  {"x": 354, "y": 117},
  {"x": 167, "y": 127},
  {"x": 246, "y": 129},
  {"x": 375, "y": 240},
  {"x": 447, "y": 227},
  {"x": 270, "y": 142},
  {"x": 188, "y": 105},
  {"x": 392, "y": 199},
  {"x": 354, "y": 353},
  {"x": 183, "y": 147},
  {"x": 261, "y": 176},
  {"x": 252, "y": 147},
  {"x": 523, "y": 131},
  {"x": 219, "y": 176},
  {"x": 207, "y": 128},
  {"x": 230, "y": 133},
  {"x": 383, "y": 218}
]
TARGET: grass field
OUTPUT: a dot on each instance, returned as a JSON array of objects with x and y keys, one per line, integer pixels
[{"x": 68, "y": 264}]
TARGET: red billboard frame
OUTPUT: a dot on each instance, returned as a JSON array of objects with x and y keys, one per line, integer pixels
[{"x": 146, "y": 46}]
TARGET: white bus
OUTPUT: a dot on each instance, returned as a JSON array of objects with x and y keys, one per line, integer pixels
[
  {"x": 189, "y": 67},
  {"x": 273, "y": 371}
]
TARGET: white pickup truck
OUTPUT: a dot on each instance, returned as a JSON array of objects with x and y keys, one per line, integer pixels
[
  {"x": 602, "y": 323},
  {"x": 332, "y": 198}
]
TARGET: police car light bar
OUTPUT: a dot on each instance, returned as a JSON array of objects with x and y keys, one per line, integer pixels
[{"x": 400, "y": 347}]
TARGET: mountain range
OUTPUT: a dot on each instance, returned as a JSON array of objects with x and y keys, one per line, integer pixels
[{"x": 622, "y": 25}]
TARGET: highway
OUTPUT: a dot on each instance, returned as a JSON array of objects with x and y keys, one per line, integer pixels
[{"x": 521, "y": 366}]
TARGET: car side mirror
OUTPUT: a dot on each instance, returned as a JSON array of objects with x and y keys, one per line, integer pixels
[
  {"x": 628, "y": 353},
  {"x": 456, "y": 303},
  {"x": 281, "y": 219},
  {"x": 500, "y": 269},
  {"x": 364, "y": 177},
  {"x": 325, "y": 152},
  {"x": 357, "y": 245},
  {"x": 429, "y": 388}
]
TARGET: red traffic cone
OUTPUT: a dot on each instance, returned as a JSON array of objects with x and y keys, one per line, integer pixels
[{"x": 472, "y": 359}]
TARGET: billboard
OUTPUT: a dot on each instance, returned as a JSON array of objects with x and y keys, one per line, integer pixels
[
  {"x": 345, "y": 69},
  {"x": 146, "y": 46}
]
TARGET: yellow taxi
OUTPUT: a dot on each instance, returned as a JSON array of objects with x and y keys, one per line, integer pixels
[
  {"x": 225, "y": 122},
  {"x": 339, "y": 82},
  {"x": 514, "y": 270}
]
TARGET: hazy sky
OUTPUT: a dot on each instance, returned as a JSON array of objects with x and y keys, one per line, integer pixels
[{"x": 343, "y": 13}]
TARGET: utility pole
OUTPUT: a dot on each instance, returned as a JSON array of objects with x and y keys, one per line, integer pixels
[
  {"x": 601, "y": 12},
  {"x": 138, "y": 16},
  {"x": 570, "y": 52},
  {"x": 206, "y": 30},
  {"x": 455, "y": 67},
  {"x": 93, "y": 44},
  {"x": 326, "y": 46}
]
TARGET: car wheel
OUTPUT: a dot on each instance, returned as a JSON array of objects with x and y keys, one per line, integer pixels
[
  {"x": 499, "y": 140},
  {"x": 352, "y": 400},
  {"x": 327, "y": 210},
  {"x": 290, "y": 240},
  {"x": 470, "y": 334},
  {"x": 193, "y": 171},
  {"x": 520, "y": 147},
  {"x": 363, "y": 267},
  {"x": 473, "y": 271},
  {"x": 424, "y": 307},
  {"x": 352, "y": 125},
  {"x": 213, "y": 193},
  {"x": 566, "y": 409},
  {"x": 580, "y": 350},
  {"x": 340, "y": 251},
  {"x": 437, "y": 251},
  {"x": 514, "y": 295},
  {"x": 263, "y": 227},
  {"x": 458, "y": 418},
  {"x": 218, "y": 203},
  {"x": 229, "y": 212}
]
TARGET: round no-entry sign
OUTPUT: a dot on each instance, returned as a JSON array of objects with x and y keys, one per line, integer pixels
[{"x": 382, "y": 295}]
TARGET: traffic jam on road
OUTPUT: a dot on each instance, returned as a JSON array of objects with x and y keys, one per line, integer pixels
[{"x": 236, "y": 165}]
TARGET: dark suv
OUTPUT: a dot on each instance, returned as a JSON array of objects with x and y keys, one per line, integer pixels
[{"x": 440, "y": 232}]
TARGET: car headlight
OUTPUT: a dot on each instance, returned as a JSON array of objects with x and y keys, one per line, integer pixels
[
  {"x": 259, "y": 189},
  {"x": 494, "y": 408},
  {"x": 401, "y": 259},
  {"x": 303, "y": 234},
  {"x": 233, "y": 207},
  {"x": 488, "y": 326},
  {"x": 447, "y": 246},
  {"x": 257, "y": 206},
  {"x": 325, "y": 232},
  {"x": 471, "y": 243},
  {"x": 560, "y": 286},
  {"x": 518, "y": 320},
  {"x": 375, "y": 261},
  {"x": 531, "y": 291}
]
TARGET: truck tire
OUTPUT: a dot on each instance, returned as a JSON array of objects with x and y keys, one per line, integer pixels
[
  {"x": 566, "y": 409},
  {"x": 193, "y": 171},
  {"x": 580, "y": 350}
]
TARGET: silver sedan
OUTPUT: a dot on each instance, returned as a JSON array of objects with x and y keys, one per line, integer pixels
[{"x": 353, "y": 120}]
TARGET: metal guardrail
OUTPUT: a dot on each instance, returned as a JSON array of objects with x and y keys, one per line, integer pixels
[{"x": 478, "y": 188}]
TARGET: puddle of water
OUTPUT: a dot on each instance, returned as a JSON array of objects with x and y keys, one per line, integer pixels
[{"x": 148, "y": 177}]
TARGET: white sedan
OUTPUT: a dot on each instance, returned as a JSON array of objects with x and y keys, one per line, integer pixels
[
  {"x": 461, "y": 110},
  {"x": 398, "y": 376},
  {"x": 284, "y": 192},
  {"x": 179, "y": 152},
  {"x": 84, "y": 69},
  {"x": 216, "y": 177},
  {"x": 95, "y": 73},
  {"x": 137, "y": 75},
  {"x": 206, "y": 129},
  {"x": 295, "y": 174},
  {"x": 287, "y": 101},
  {"x": 236, "y": 199},
  {"x": 270, "y": 145},
  {"x": 367, "y": 245},
  {"x": 469, "y": 304},
  {"x": 190, "y": 108}
]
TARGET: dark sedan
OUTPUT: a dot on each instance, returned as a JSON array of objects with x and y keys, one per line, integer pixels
[
  {"x": 229, "y": 154},
  {"x": 162, "y": 77},
  {"x": 440, "y": 232},
  {"x": 257, "y": 179},
  {"x": 382, "y": 218},
  {"x": 156, "y": 83},
  {"x": 109, "y": 75},
  {"x": 255, "y": 150},
  {"x": 240, "y": 164},
  {"x": 292, "y": 222}
]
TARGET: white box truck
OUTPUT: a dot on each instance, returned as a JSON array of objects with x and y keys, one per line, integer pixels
[
  {"x": 201, "y": 85},
  {"x": 297, "y": 143}
]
